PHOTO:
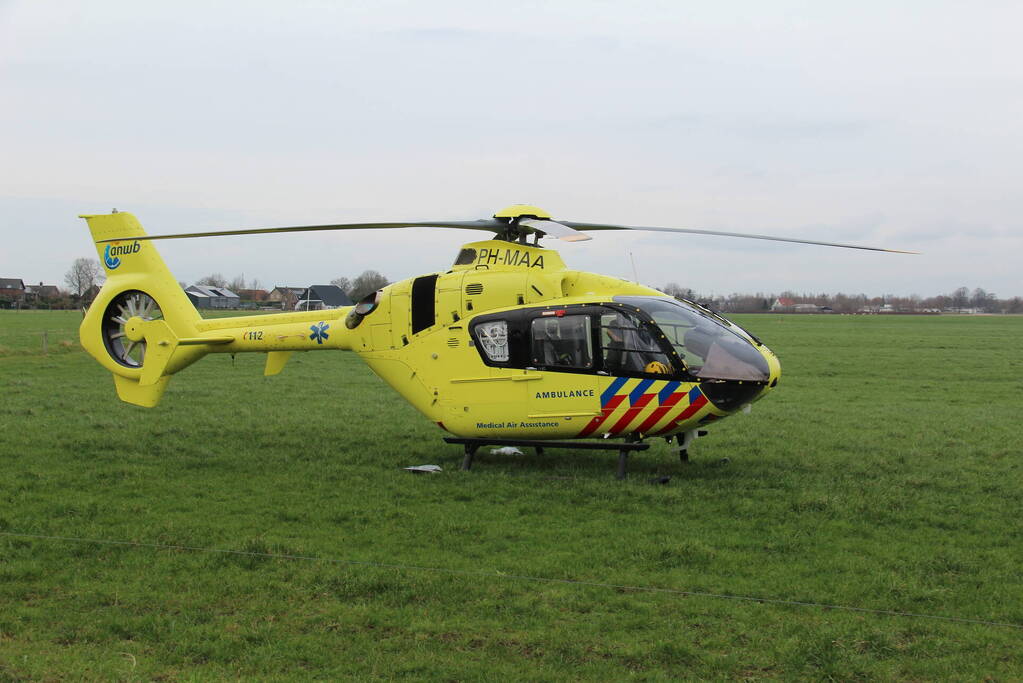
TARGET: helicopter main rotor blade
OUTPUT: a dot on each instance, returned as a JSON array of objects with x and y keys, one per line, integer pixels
[
  {"x": 694, "y": 231},
  {"x": 555, "y": 229},
  {"x": 565, "y": 230},
  {"x": 489, "y": 225}
]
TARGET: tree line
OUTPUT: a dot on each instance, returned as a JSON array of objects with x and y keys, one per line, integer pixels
[
  {"x": 356, "y": 288},
  {"x": 961, "y": 299},
  {"x": 85, "y": 274}
]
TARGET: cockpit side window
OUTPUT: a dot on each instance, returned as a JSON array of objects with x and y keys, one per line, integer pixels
[
  {"x": 628, "y": 347},
  {"x": 562, "y": 342}
]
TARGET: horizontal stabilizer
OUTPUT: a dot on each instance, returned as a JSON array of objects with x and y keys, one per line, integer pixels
[
  {"x": 275, "y": 361},
  {"x": 132, "y": 391}
]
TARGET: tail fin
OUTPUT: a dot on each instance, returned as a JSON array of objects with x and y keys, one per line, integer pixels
[
  {"x": 120, "y": 254},
  {"x": 134, "y": 324}
]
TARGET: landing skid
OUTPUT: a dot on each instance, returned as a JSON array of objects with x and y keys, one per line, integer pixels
[{"x": 623, "y": 448}]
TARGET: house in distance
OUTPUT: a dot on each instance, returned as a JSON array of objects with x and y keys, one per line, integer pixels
[
  {"x": 285, "y": 297},
  {"x": 12, "y": 291},
  {"x": 41, "y": 292}
]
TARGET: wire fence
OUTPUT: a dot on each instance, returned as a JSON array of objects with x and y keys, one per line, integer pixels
[
  {"x": 525, "y": 578},
  {"x": 38, "y": 342},
  {"x": 38, "y": 332}
]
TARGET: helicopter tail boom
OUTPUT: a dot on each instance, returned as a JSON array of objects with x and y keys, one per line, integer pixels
[
  {"x": 141, "y": 322},
  {"x": 142, "y": 327}
]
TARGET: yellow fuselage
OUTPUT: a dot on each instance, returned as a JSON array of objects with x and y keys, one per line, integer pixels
[{"x": 417, "y": 338}]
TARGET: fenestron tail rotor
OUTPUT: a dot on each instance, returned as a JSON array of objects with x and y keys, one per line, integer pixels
[
  {"x": 129, "y": 304},
  {"x": 514, "y": 224}
]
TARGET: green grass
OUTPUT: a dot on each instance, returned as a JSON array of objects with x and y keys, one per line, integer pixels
[
  {"x": 884, "y": 473},
  {"x": 22, "y": 332}
]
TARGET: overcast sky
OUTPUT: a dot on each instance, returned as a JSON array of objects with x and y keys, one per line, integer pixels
[{"x": 895, "y": 124}]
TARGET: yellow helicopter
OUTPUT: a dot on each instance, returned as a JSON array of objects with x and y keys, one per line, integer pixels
[{"x": 507, "y": 347}]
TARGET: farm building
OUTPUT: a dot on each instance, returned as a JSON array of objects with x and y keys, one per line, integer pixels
[
  {"x": 256, "y": 295},
  {"x": 787, "y": 305},
  {"x": 203, "y": 296},
  {"x": 324, "y": 296}
]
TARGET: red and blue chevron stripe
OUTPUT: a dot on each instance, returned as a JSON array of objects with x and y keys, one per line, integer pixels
[{"x": 644, "y": 405}]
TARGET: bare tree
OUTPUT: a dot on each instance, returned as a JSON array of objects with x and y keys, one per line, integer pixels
[
  {"x": 237, "y": 283},
  {"x": 212, "y": 280},
  {"x": 979, "y": 298},
  {"x": 984, "y": 301},
  {"x": 960, "y": 298},
  {"x": 84, "y": 273},
  {"x": 369, "y": 281},
  {"x": 343, "y": 283},
  {"x": 679, "y": 292}
]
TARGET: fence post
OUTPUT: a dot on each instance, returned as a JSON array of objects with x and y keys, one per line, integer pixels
[{"x": 45, "y": 344}]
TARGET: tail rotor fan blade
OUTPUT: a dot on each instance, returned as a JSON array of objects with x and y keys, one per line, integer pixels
[{"x": 125, "y": 306}]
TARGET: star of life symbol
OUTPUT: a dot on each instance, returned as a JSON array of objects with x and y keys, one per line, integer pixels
[{"x": 319, "y": 332}]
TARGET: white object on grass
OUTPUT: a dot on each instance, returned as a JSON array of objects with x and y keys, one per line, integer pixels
[
  {"x": 419, "y": 469},
  {"x": 506, "y": 450}
]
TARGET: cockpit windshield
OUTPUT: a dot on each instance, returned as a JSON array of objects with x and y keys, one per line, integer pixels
[{"x": 709, "y": 346}]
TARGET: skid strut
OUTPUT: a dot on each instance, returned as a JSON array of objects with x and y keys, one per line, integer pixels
[
  {"x": 623, "y": 455},
  {"x": 684, "y": 441},
  {"x": 470, "y": 451}
]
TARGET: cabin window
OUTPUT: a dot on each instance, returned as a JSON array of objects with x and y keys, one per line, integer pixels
[
  {"x": 629, "y": 348},
  {"x": 562, "y": 342},
  {"x": 493, "y": 339},
  {"x": 424, "y": 295}
]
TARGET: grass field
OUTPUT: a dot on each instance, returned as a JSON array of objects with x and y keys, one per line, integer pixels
[{"x": 884, "y": 473}]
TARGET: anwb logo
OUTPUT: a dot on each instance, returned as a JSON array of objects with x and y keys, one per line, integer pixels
[{"x": 112, "y": 253}]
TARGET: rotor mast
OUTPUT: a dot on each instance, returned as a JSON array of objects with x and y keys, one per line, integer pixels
[{"x": 517, "y": 231}]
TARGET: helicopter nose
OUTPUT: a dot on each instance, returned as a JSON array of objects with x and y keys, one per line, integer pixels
[{"x": 731, "y": 396}]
